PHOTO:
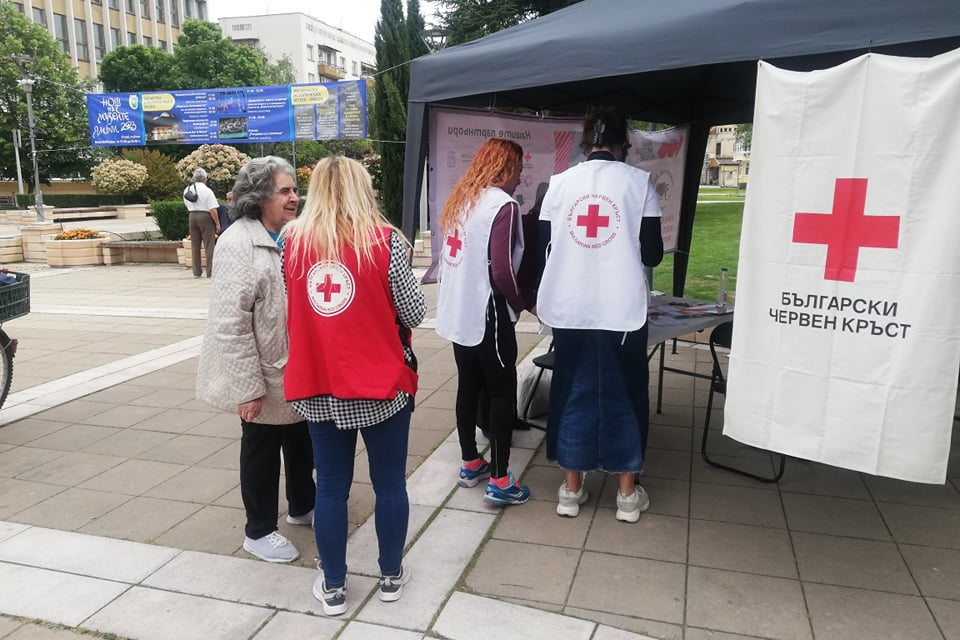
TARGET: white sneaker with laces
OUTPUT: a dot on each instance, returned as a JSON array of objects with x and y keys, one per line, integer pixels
[
  {"x": 568, "y": 502},
  {"x": 630, "y": 507},
  {"x": 271, "y": 548},
  {"x": 391, "y": 587},
  {"x": 334, "y": 600},
  {"x": 306, "y": 520}
]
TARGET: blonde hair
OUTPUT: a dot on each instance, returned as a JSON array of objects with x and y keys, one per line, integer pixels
[
  {"x": 341, "y": 209},
  {"x": 496, "y": 159}
]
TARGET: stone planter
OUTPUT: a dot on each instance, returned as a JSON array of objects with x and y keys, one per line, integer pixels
[
  {"x": 188, "y": 254},
  {"x": 32, "y": 238},
  {"x": 74, "y": 253},
  {"x": 125, "y": 211},
  {"x": 11, "y": 249}
]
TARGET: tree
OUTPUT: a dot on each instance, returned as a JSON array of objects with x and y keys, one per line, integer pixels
[
  {"x": 136, "y": 68},
  {"x": 415, "y": 29},
  {"x": 280, "y": 72},
  {"x": 59, "y": 108},
  {"x": 467, "y": 20},
  {"x": 389, "y": 105},
  {"x": 204, "y": 59},
  {"x": 745, "y": 135},
  {"x": 163, "y": 181}
]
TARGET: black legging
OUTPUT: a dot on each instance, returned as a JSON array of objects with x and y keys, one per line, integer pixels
[{"x": 490, "y": 366}]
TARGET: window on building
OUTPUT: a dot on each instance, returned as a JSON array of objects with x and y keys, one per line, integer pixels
[
  {"x": 310, "y": 52},
  {"x": 343, "y": 63},
  {"x": 115, "y": 38},
  {"x": 114, "y": 4},
  {"x": 188, "y": 8},
  {"x": 39, "y": 16},
  {"x": 175, "y": 13},
  {"x": 147, "y": 41},
  {"x": 60, "y": 32},
  {"x": 718, "y": 149},
  {"x": 162, "y": 44},
  {"x": 201, "y": 11},
  {"x": 161, "y": 14},
  {"x": 97, "y": 1},
  {"x": 80, "y": 33},
  {"x": 356, "y": 68},
  {"x": 131, "y": 7},
  {"x": 145, "y": 9},
  {"x": 18, "y": 6},
  {"x": 131, "y": 37},
  {"x": 99, "y": 42}
]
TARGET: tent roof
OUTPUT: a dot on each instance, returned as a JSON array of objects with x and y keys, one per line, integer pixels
[{"x": 676, "y": 61}]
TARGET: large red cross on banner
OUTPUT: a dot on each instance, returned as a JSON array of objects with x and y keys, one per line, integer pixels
[
  {"x": 455, "y": 243},
  {"x": 846, "y": 229},
  {"x": 593, "y": 220},
  {"x": 328, "y": 288}
]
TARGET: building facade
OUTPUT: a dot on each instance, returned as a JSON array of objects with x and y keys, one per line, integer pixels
[
  {"x": 319, "y": 52},
  {"x": 87, "y": 30},
  {"x": 727, "y": 163}
]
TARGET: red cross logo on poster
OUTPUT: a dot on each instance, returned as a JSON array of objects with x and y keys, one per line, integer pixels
[
  {"x": 593, "y": 221},
  {"x": 846, "y": 229},
  {"x": 454, "y": 246},
  {"x": 330, "y": 288}
]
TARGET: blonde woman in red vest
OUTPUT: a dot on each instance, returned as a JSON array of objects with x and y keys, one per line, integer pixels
[
  {"x": 351, "y": 302},
  {"x": 478, "y": 302}
]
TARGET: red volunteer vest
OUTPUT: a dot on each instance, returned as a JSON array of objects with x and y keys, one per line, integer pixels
[{"x": 342, "y": 325}]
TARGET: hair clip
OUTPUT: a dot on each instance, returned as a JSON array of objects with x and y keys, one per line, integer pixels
[{"x": 598, "y": 130}]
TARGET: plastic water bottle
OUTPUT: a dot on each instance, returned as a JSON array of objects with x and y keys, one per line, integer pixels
[{"x": 722, "y": 290}]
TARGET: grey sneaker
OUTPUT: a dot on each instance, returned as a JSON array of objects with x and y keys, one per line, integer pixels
[
  {"x": 334, "y": 601},
  {"x": 305, "y": 520},
  {"x": 391, "y": 587},
  {"x": 630, "y": 507},
  {"x": 271, "y": 548},
  {"x": 569, "y": 501}
]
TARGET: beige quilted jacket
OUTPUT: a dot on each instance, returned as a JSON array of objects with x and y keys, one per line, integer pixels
[{"x": 245, "y": 347}]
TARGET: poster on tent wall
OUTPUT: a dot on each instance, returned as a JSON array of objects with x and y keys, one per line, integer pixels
[
  {"x": 550, "y": 146},
  {"x": 281, "y": 113},
  {"x": 845, "y": 344}
]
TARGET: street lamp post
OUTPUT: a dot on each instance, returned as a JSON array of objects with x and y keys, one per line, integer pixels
[{"x": 26, "y": 63}]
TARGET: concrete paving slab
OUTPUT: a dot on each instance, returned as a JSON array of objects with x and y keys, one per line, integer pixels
[
  {"x": 297, "y": 626},
  {"x": 52, "y": 595},
  {"x": 459, "y": 621},
  {"x": 85, "y": 555},
  {"x": 149, "y": 614}
]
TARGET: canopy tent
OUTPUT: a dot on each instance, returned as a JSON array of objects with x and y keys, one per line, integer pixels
[{"x": 693, "y": 61}]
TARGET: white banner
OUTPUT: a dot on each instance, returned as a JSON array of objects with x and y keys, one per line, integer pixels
[
  {"x": 550, "y": 145},
  {"x": 845, "y": 344}
]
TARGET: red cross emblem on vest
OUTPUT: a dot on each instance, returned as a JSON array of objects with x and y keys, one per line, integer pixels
[
  {"x": 846, "y": 229},
  {"x": 455, "y": 243},
  {"x": 593, "y": 220},
  {"x": 328, "y": 288}
]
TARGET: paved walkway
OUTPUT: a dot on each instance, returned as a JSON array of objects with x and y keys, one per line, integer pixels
[{"x": 120, "y": 511}]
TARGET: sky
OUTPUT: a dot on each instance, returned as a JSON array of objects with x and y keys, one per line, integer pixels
[{"x": 358, "y": 17}]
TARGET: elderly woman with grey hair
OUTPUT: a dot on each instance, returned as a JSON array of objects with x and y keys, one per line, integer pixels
[
  {"x": 244, "y": 355},
  {"x": 202, "y": 204}
]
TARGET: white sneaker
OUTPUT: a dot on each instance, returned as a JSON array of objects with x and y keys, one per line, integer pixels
[
  {"x": 271, "y": 548},
  {"x": 568, "y": 502},
  {"x": 391, "y": 587},
  {"x": 630, "y": 507},
  {"x": 305, "y": 520},
  {"x": 334, "y": 600}
]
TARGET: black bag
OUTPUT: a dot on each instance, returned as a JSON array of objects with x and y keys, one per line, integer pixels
[{"x": 192, "y": 196}]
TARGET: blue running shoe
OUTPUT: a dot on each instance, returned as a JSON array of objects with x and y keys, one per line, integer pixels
[
  {"x": 514, "y": 494},
  {"x": 472, "y": 477}
]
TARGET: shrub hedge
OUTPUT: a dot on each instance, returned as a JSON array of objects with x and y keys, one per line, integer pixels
[{"x": 172, "y": 218}]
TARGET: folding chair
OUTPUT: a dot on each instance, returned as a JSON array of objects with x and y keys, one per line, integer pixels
[
  {"x": 721, "y": 337},
  {"x": 543, "y": 363}
]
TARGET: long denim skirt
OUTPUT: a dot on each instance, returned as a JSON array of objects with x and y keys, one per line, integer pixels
[{"x": 598, "y": 400}]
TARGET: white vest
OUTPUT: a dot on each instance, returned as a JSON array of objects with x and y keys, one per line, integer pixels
[
  {"x": 465, "y": 286},
  {"x": 594, "y": 276}
]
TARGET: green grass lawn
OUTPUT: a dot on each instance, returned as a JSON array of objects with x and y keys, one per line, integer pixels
[{"x": 716, "y": 244}]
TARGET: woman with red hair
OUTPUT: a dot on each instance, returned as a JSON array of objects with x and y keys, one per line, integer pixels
[{"x": 478, "y": 303}]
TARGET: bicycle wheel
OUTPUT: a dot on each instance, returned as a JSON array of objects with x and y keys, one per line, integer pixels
[{"x": 7, "y": 348}]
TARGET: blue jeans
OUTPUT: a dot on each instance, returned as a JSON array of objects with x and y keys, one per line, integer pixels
[{"x": 333, "y": 454}]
